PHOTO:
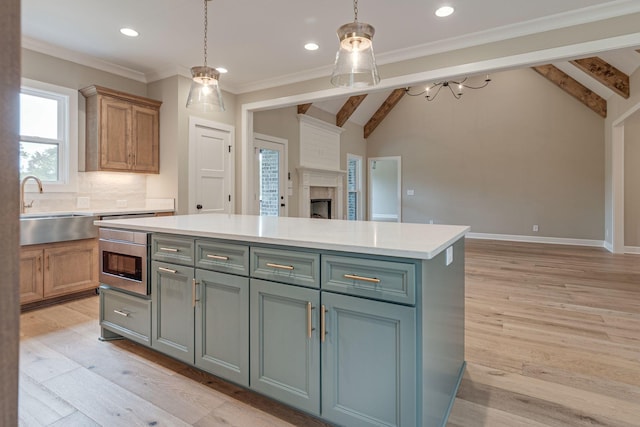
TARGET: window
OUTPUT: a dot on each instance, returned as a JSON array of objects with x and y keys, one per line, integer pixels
[
  {"x": 354, "y": 187},
  {"x": 48, "y": 135}
]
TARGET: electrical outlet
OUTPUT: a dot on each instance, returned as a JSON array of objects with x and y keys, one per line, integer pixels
[
  {"x": 121, "y": 203},
  {"x": 449, "y": 255},
  {"x": 410, "y": 192},
  {"x": 535, "y": 227}
]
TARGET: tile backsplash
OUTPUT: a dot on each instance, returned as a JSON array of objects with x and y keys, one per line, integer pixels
[{"x": 104, "y": 190}]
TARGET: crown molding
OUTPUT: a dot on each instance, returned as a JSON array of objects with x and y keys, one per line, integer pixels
[{"x": 82, "y": 59}]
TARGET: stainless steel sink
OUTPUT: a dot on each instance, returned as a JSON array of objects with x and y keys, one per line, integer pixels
[{"x": 48, "y": 228}]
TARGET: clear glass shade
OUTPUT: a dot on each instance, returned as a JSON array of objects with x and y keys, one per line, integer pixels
[
  {"x": 205, "y": 95},
  {"x": 355, "y": 64}
]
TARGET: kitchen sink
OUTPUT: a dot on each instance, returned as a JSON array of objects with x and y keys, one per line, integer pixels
[{"x": 48, "y": 228}]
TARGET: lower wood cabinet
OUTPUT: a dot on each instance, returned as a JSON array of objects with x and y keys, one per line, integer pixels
[
  {"x": 222, "y": 325},
  {"x": 56, "y": 269},
  {"x": 285, "y": 344},
  {"x": 172, "y": 308}
]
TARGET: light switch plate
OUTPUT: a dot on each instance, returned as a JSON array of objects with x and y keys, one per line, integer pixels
[{"x": 82, "y": 202}]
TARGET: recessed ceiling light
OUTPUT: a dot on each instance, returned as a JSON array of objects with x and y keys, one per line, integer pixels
[
  {"x": 222, "y": 70},
  {"x": 311, "y": 46},
  {"x": 444, "y": 11},
  {"x": 130, "y": 32}
]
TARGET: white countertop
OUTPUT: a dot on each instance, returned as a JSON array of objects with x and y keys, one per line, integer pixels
[{"x": 422, "y": 241}]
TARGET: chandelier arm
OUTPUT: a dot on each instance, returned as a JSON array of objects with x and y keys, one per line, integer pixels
[
  {"x": 431, "y": 98},
  {"x": 455, "y": 95}
]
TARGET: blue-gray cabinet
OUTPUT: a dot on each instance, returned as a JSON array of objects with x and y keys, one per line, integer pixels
[
  {"x": 222, "y": 325},
  {"x": 172, "y": 304},
  {"x": 368, "y": 362},
  {"x": 285, "y": 345}
]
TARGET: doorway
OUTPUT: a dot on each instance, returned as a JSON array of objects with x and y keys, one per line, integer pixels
[
  {"x": 270, "y": 172},
  {"x": 385, "y": 189},
  {"x": 210, "y": 167}
]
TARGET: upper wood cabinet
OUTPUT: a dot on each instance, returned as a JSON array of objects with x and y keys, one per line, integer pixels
[{"x": 123, "y": 131}]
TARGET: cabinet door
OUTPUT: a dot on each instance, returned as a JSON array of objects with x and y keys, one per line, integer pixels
[
  {"x": 31, "y": 279},
  {"x": 368, "y": 362},
  {"x": 145, "y": 141},
  {"x": 70, "y": 267},
  {"x": 222, "y": 325},
  {"x": 285, "y": 350},
  {"x": 172, "y": 304},
  {"x": 115, "y": 134}
]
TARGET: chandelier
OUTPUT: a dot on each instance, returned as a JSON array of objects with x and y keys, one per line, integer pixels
[
  {"x": 355, "y": 64},
  {"x": 455, "y": 87},
  {"x": 205, "y": 94}
]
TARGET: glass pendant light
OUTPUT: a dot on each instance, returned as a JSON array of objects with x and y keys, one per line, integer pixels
[
  {"x": 205, "y": 95},
  {"x": 355, "y": 64}
]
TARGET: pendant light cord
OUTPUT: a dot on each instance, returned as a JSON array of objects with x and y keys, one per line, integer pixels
[
  {"x": 355, "y": 10},
  {"x": 205, "y": 32}
]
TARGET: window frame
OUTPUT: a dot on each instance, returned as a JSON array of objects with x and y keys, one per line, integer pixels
[{"x": 68, "y": 127}]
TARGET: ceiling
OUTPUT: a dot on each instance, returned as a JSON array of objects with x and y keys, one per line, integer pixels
[{"x": 261, "y": 42}]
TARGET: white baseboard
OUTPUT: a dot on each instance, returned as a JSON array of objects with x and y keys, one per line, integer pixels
[
  {"x": 538, "y": 239},
  {"x": 632, "y": 250},
  {"x": 608, "y": 246}
]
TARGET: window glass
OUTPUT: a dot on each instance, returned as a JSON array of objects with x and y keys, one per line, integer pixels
[
  {"x": 39, "y": 159},
  {"x": 39, "y": 116}
]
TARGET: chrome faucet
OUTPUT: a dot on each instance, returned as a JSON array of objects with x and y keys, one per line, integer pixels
[{"x": 23, "y": 205}]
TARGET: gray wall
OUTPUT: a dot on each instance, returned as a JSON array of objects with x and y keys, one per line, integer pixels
[
  {"x": 516, "y": 153},
  {"x": 631, "y": 180},
  {"x": 9, "y": 226}
]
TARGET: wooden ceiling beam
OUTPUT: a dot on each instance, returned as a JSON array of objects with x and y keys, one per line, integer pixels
[
  {"x": 348, "y": 108},
  {"x": 382, "y": 112},
  {"x": 605, "y": 73},
  {"x": 303, "y": 108},
  {"x": 573, "y": 88}
]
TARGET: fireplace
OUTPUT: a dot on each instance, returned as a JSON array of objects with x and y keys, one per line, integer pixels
[
  {"x": 321, "y": 185},
  {"x": 321, "y": 208}
]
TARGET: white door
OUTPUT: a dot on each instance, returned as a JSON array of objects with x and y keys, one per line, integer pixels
[
  {"x": 385, "y": 189},
  {"x": 210, "y": 167},
  {"x": 270, "y": 172}
]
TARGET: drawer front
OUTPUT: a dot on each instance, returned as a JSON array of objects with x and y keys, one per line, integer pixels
[
  {"x": 223, "y": 257},
  {"x": 178, "y": 250},
  {"x": 383, "y": 280},
  {"x": 126, "y": 315},
  {"x": 286, "y": 266}
]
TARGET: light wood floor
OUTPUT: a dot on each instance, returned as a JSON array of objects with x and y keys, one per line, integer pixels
[{"x": 552, "y": 339}]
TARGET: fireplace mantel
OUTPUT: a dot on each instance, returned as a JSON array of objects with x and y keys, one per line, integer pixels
[{"x": 312, "y": 177}]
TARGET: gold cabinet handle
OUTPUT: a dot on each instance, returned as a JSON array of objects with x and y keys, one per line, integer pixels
[
  {"x": 280, "y": 266},
  {"x": 309, "y": 325},
  {"x": 219, "y": 257},
  {"x": 122, "y": 313},
  {"x": 167, "y": 270},
  {"x": 193, "y": 292},
  {"x": 323, "y": 322},
  {"x": 362, "y": 278},
  {"x": 169, "y": 249}
]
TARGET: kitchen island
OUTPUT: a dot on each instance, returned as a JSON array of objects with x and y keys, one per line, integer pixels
[{"x": 358, "y": 323}]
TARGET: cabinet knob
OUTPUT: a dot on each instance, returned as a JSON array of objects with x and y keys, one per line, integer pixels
[{"x": 198, "y": 206}]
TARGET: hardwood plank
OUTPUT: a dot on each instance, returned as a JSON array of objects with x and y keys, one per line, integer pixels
[
  {"x": 40, "y": 406},
  {"x": 107, "y": 403},
  {"x": 77, "y": 419}
]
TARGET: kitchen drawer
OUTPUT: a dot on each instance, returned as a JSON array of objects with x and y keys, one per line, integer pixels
[
  {"x": 286, "y": 266},
  {"x": 169, "y": 248},
  {"x": 126, "y": 315},
  {"x": 223, "y": 257},
  {"x": 383, "y": 280}
]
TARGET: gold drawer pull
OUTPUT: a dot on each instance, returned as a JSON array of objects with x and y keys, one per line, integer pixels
[
  {"x": 309, "y": 325},
  {"x": 167, "y": 270},
  {"x": 280, "y": 266},
  {"x": 323, "y": 323},
  {"x": 122, "y": 313},
  {"x": 220, "y": 257},
  {"x": 362, "y": 278},
  {"x": 169, "y": 249}
]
